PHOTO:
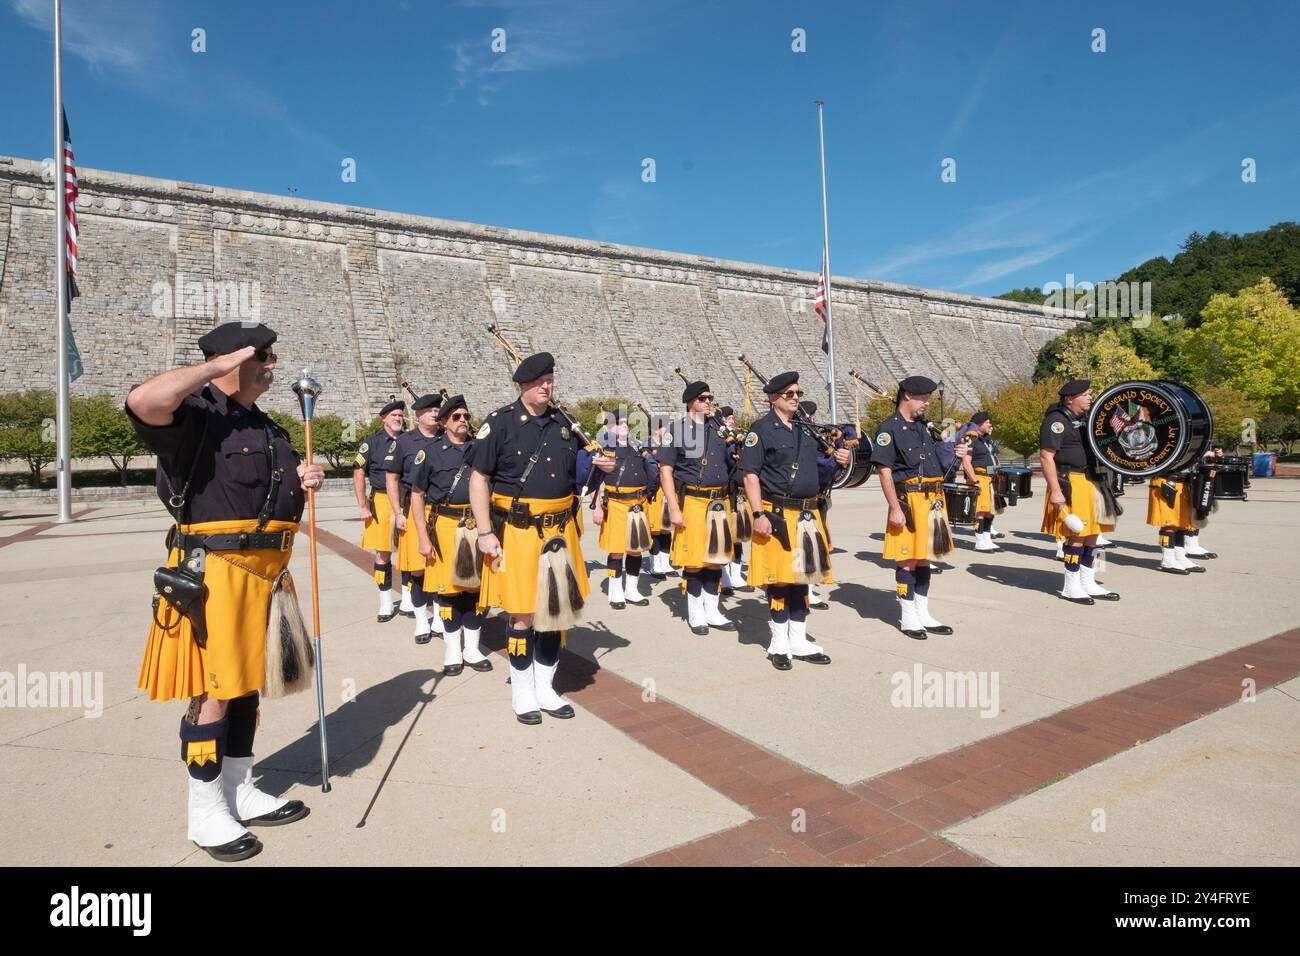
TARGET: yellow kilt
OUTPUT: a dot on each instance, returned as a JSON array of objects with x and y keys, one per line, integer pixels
[
  {"x": 1161, "y": 515},
  {"x": 613, "y": 533},
  {"x": 1082, "y": 503},
  {"x": 437, "y": 574},
  {"x": 236, "y": 602},
  {"x": 769, "y": 563},
  {"x": 514, "y": 590},
  {"x": 984, "y": 503},
  {"x": 377, "y": 535},
  {"x": 655, "y": 514},
  {"x": 409, "y": 557},
  {"x": 904, "y": 545},
  {"x": 690, "y": 543}
]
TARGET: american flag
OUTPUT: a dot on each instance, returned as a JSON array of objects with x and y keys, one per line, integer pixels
[
  {"x": 819, "y": 306},
  {"x": 75, "y": 368}
]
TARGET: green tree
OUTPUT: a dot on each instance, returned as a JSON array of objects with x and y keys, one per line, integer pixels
[
  {"x": 293, "y": 425},
  {"x": 1104, "y": 359},
  {"x": 1027, "y": 294},
  {"x": 1251, "y": 341},
  {"x": 1280, "y": 428},
  {"x": 101, "y": 429},
  {"x": 334, "y": 440},
  {"x": 1232, "y": 410},
  {"x": 27, "y": 429},
  {"x": 1017, "y": 411}
]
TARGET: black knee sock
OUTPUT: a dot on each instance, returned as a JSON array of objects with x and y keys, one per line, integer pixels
[
  {"x": 923, "y": 574},
  {"x": 797, "y": 602},
  {"x": 616, "y": 566},
  {"x": 452, "y": 615},
  {"x": 1085, "y": 559},
  {"x": 904, "y": 583},
  {"x": 519, "y": 648},
  {"x": 633, "y": 565},
  {"x": 711, "y": 580},
  {"x": 656, "y": 544},
  {"x": 778, "y": 603},
  {"x": 985, "y": 524},
  {"x": 466, "y": 603},
  {"x": 406, "y": 578},
  {"x": 241, "y": 720},
  {"x": 548, "y": 647},
  {"x": 694, "y": 586},
  {"x": 202, "y": 747},
  {"x": 1180, "y": 539},
  {"x": 737, "y": 553},
  {"x": 384, "y": 575},
  {"x": 418, "y": 595},
  {"x": 1073, "y": 558}
]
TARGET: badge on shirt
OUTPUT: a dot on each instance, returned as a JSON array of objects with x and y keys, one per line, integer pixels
[
  {"x": 483, "y": 431},
  {"x": 751, "y": 439},
  {"x": 883, "y": 439},
  {"x": 1058, "y": 427},
  {"x": 564, "y": 433},
  {"x": 365, "y": 447},
  {"x": 668, "y": 438},
  {"x": 419, "y": 456}
]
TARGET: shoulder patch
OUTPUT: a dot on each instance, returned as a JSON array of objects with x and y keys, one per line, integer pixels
[
  {"x": 1058, "y": 427},
  {"x": 419, "y": 456},
  {"x": 365, "y": 447},
  {"x": 884, "y": 439},
  {"x": 751, "y": 439},
  {"x": 485, "y": 429},
  {"x": 668, "y": 438}
]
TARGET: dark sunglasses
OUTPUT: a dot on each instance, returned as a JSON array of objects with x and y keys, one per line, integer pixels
[
  {"x": 458, "y": 416},
  {"x": 264, "y": 355},
  {"x": 794, "y": 393},
  {"x": 706, "y": 397}
]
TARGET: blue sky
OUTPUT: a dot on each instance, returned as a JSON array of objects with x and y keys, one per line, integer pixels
[{"x": 1067, "y": 161}]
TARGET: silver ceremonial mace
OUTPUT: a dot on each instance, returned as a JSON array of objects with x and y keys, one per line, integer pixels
[{"x": 307, "y": 389}]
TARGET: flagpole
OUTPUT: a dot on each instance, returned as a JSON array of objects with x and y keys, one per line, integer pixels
[
  {"x": 826, "y": 273},
  {"x": 63, "y": 438}
]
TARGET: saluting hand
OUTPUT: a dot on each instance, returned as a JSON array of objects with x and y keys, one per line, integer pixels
[{"x": 224, "y": 364}]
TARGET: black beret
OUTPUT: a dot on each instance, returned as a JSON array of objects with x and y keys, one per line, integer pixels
[
  {"x": 432, "y": 400},
  {"x": 693, "y": 391},
  {"x": 979, "y": 418},
  {"x": 534, "y": 367},
  {"x": 917, "y": 385},
  {"x": 392, "y": 406},
  {"x": 779, "y": 383},
  {"x": 450, "y": 405},
  {"x": 726, "y": 411},
  {"x": 808, "y": 408},
  {"x": 233, "y": 336},
  {"x": 1075, "y": 386}
]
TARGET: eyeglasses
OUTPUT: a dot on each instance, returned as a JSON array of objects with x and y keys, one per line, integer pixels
[
  {"x": 459, "y": 416},
  {"x": 793, "y": 393},
  {"x": 264, "y": 355},
  {"x": 706, "y": 397}
]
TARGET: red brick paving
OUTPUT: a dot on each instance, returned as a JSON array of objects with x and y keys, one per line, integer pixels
[{"x": 894, "y": 819}]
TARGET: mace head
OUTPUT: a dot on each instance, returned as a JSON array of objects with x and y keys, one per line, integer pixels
[{"x": 307, "y": 388}]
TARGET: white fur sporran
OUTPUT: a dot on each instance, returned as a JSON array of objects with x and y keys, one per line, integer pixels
[
  {"x": 638, "y": 529},
  {"x": 289, "y": 659},
  {"x": 719, "y": 544},
  {"x": 940, "y": 530},
  {"x": 559, "y": 601},
  {"x": 810, "y": 560},
  {"x": 466, "y": 557}
]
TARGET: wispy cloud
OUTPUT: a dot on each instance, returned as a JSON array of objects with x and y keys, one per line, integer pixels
[{"x": 105, "y": 35}]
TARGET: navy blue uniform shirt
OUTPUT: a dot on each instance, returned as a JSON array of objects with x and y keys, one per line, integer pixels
[
  {"x": 906, "y": 448},
  {"x": 785, "y": 458},
  {"x": 373, "y": 454},
  {"x": 697, "y": 453}
]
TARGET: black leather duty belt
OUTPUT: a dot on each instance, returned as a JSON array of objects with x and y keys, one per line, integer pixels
[
  {"x": 244, "y": 541},
  {"x": 626, "y": 495},
  {"x": 453, "y": 511},
  {"x": 794, "y": 504},
  {"x": 710, "y": 493}
]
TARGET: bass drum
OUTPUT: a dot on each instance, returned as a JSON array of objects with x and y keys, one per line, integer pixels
[
  {"x": 1140, "y": 429},
  {"x": 858, "y": 469}
]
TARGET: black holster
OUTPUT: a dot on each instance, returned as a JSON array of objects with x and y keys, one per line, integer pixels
[
  {"x": 900, "y": 492},
  {"x": 776, "y": 518},
  {"x": 1169, "y": 491},
  {"x": 370, "y": 500},
  {"x": 183, "y": 589}
]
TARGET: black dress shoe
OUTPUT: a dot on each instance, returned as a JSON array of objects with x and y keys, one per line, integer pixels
[
  {"x": 639, "y": 603},
  {"x": 405, "y": 613},
  {"x": 1082, "y": 600},
  {"x": 530, "y": 718},
  {"x": 916, "y": 635},
  {"x": 292, "y": 811},
  {"x": 1175, "y": 570},
  {"x": 452, "y": 670},
  {"x": 941, "y": 629},
  {"x": 384, "y": 619},
  {"x": 424, "y": 638},
  {"x": 745, "y": 588},
  {"x": 1196, "y": 570},
  {"x": 564, "y": 713},
  {"x": 1204, "y": 557},
  {"x": 729, "y": 626},
  {"x": 617, "y": 605},
  {"x": 780, "y": 661},
  {"x": 481, "y": 666},
  {"x": 727, "y": 592},
  {"x": 812, "y": 658},
  {"x": 997, "y": 534},
  {"x": 656, "y": 575},
  {"x": 236, "y": 850},
  {"x": 819, "y": 606},
  {"x": 1108, "y": 596},
  {"x": 700, "y": 630}
]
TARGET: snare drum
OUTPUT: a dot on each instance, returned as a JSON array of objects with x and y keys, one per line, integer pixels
[
  {"x": 1013, "y": 484},
  {"x": 960, "y": 499},
  {"x": 858, "y": 469},
  {"x": 1229, "y": 480}
]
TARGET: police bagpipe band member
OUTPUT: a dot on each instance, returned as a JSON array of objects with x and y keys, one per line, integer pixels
[
  {"x": 371, "y": 487},
  {"x": 448, "y": 538},
  {"x": 790, "y": 550},
  {"x": 1204, "y": 504},
  {"x": 1178, "y": 504},
  {"x": 524, "y": 494},
  {"x": 906, "y": 458},
  {"x": 827, "y": 466},
  {"x": 1076, "y": 507},
  {"x": 412, "y": 449},
  {"x": 742, "y": 520},
  {"x": 621, "y": 507},
  {"x": 661, "y": 528},
  {"x": 226, "y": 623},
  {"x": 980, "y": 467},
  {"x": 696, "y": 470}
]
